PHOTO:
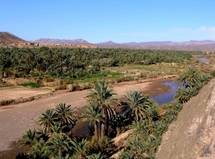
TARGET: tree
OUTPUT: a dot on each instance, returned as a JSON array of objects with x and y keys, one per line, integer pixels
[
  {"x": 59, "y": 145},
  {"x": 103, "y": 96},
  {"x": 80, "y": 148},
  {"x": 65, "y": 117},
  {"x": 137, "y": 103},
  {"x": 183, "y": 94},
  {"x": 40, "y": 149},
  {"x": 47, "y": 120},
  {"x": 93, "y": 113},
  {"x": 190, "y": 77},
  {"x": 97, "y": 156},
  {"x": 29, "y": 137}
]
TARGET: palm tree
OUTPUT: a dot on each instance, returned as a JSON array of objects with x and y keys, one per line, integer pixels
[
  {"x": 118, "y": 121},
  {"x": 97, "y": 156},
  {"x": 47, "y": 120},
  {"x": 183, "y": 94},
  {"x": 65, "y": 116},
  {"x": 59, "y": 144},
  {"x": 103, "y": 96},
  {"x": 152, "y": 113},
  {"x": 29, "y": 137},
  {"x": 137, "y": 103},
  {"x": 80, "y": 148},
  {"x": 40, "y": 149},
  {"x": 93, "y": 113},
  {"x": 190, "y": 77}
]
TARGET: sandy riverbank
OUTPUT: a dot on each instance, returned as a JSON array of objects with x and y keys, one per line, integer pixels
[{"x": 15, "y": 119}]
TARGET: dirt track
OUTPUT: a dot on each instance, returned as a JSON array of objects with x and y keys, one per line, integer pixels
[{"x": 15, "y": 119}]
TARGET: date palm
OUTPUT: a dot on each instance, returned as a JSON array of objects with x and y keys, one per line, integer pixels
[
  {"x": 47, "y": 120},
  {"x": 40, "y": 149},
  {"x": 137, "y": 103},
  {"x": 65, "y": 116},
  {"x": 59, "y": 145},
  {"x": 183, "y": 94},
  {"x": 97, "y": 156},
  {"x": 93, "y": 113},
  {"x": 80, "y": 148},
  {"x": 29, "y": 137},
  {"x": 190, "y": 76},
  {"x": 102, "y": 94}
]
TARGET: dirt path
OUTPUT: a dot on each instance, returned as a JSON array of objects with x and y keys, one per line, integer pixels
[{"x": 16, "y": 119}]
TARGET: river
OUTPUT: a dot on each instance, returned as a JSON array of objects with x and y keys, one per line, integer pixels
[{"x": 81, "y": 129}]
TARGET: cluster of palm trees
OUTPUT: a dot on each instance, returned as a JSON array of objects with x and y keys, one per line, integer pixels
[
  {"x": 54, "y": 138},
  {"x": 192, "y": 81},
  {"x": 77, "y": 63},
  {"x": 137, "y": 111},
  {"x": 147, "y": 135}
]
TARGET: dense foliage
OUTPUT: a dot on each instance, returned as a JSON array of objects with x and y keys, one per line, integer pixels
[
  {"x": 138, "y": 112},
  {"x": 76, "y": 63},
  {"x": 192, "y": 81}
]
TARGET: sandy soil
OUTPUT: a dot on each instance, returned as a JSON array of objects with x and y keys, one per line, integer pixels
[
  {"x": 20, "y": 92},
  {"x": 15, "y": 119}
]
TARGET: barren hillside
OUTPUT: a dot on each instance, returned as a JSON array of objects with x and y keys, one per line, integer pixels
[
  {"x": 192, "y": 135},
  {"x": 9, "y": 38}
]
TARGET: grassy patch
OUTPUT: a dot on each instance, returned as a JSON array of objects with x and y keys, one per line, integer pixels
[
  {"x": 93, "y": 77},
  {"x": 31, "y": 85}
]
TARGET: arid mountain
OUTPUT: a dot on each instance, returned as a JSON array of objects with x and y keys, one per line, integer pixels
[
  {"x": 169, "y": 45},
  {"x": 8, "y": 38},
  {"x": 61, "y": 41},
  {"x": 192, "y": 135},
  {"x": 206, "y": 45}
]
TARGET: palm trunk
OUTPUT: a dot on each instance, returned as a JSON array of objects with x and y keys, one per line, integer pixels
[
  {"x": 117, "y": 131},
  {"x": 96, "y": 129},
  {"x": 103, "y": 124},
  {"x": 102, "y": 130},
  {"x": 106, "y": 122}
]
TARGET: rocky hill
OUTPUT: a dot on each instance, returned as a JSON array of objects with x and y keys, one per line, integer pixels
[
  {"x": 8, "y": 38},
  {"x": 192, "y": 135}
]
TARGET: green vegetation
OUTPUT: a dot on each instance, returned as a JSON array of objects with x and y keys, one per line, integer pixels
[
  {"x": 31, "y": 84},
  {"x": 138, "y": 112},
  {"x": 81, "y": 64},
  {"x": 193, "y": 81}
]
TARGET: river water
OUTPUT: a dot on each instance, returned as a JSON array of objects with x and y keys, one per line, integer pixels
[
  {"x": 168, "y": 96},
  {"x": 202, "y": 59},
  {"x": 81, "y": 129}
]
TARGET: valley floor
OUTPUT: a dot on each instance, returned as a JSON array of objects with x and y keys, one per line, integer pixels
[{"x": 17, "y": 118}]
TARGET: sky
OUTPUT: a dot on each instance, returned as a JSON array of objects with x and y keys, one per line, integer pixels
[{"x": 109, "y": 20}]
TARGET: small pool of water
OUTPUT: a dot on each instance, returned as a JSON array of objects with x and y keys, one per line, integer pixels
[
  {"x": 168, "y": 96},
  {"x": 202, "y": 59}
]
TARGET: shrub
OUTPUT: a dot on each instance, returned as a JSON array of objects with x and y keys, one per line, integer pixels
[
  {"x": 183, "y": 94},
  {"x": 213, "y": 73},
  {"x": 6, "y": 102},
  {"x": 31, "y": 84}
]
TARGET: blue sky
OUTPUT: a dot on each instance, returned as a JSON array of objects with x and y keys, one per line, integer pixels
[{"x": 104, "y": 20}]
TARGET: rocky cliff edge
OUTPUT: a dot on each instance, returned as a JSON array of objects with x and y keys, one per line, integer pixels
[{"x": 192, "y": 135}]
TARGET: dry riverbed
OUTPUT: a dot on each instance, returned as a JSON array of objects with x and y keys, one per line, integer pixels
[{"x": 17, "y": 118}]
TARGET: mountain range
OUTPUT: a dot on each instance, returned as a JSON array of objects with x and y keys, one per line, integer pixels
[{"x": 204, "y": 45}]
